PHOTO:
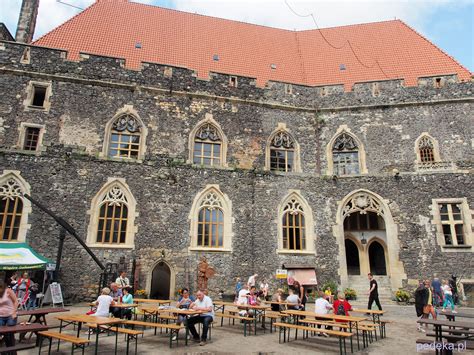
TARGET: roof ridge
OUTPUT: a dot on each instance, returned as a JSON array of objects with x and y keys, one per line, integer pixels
[
  {"x": 349, "y": 25},
  {"x": 436, "y": 47},
  {"x": 66, "y": 22}
]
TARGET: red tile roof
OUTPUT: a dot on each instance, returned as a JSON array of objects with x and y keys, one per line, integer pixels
[{"x": 370, "y": 52}]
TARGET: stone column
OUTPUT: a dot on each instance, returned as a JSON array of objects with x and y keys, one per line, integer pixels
[{"x": 27, "y": 21}]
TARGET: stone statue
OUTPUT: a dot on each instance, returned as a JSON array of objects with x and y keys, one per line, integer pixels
[{"x": 204, "y": 273}]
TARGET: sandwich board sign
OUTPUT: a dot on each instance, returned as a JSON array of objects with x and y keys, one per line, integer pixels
[
  {"x": 54, "y": 294},
  {"x": 281, "y": 274}
]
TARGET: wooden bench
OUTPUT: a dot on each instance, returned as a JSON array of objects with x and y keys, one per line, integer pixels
[
  {"x": 273, "y": 316},
  {"x": 246, "y": 320},
  {"x": 130, "y": 334},
  {"x": 173, "y": 328},
  {"x": 15, "y": 348},
  {"x": 77, "y": 343},
  {"x": 341, "y": 335}
]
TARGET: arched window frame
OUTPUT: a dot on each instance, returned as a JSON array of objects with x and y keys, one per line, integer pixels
[
  {"x": 94, "y": 213},
  {"x": 436, "y": 155},
  {"x": 225, "y": 206},
  {"x": 281, "y": 128},
  {"x": 208, "y": 120},
  {"x": 126, "y": 110},
  {"x": 21, "y": 187},
  {"x": 309, "y": 224},
  {"x": 361, "y": 149}
]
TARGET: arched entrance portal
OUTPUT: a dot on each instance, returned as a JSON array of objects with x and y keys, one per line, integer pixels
[
  {"x": 160, "y": 281},
  {"x": 364, "y": 217},
  {"x": 377, "y": 259},
  {"x": 352, "y": 257}
]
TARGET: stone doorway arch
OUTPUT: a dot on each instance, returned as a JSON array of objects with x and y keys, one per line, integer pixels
[
  {"x": 364, "y": 201},
  {"x": 161, "y": 280},
  {"x": 376, "y": 256},
  {"x": 352, "y": 256}
]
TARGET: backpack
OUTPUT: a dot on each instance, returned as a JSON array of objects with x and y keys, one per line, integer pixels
[{"x": 340, "y": 309}]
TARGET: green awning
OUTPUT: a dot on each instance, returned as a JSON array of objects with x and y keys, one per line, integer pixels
[{"x": 20, "y": 256}]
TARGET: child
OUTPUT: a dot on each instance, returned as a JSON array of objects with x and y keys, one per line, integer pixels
[
  {"x": 341, "y": 306},
  {"x": 104, "y": 301},
  {"x": 34, "y": 290},
  {"x": 448, "y": 297}
]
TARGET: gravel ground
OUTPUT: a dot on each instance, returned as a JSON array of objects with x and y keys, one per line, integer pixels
[{"x": 401, "y": 337}]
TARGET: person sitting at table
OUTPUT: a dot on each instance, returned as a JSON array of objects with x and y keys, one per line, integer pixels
[
  {"x": 329, "y": 295},
  {"x": 242, "y": 299},
  {"x": 341, "y": 306},
  {"x": 116, "y": 294},
  {"x": 184, "y": 301},
  {"x": 294, "y": 299},
  {"x": 128, "y": 299},
  {"x": 122, "y": 281},
  {"x": 103, "y": 303},
  {"x": 8, "y": 308},
  {"x": 203, "y": 303},
  {"x": 277, "y": 297},
  {"x": 323, "y": 307}
]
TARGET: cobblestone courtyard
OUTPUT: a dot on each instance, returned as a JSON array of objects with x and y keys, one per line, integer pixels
[{"x": 401, "y": 337}]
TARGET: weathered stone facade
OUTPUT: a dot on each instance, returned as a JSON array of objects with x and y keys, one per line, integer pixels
[{"x": 70, "y": 168}]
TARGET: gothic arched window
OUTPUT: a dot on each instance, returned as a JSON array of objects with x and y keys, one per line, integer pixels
[
  {"x": 210, "y": 222},
  {"x": 345, "y": 155},
  {"x": 125, "y": 136},
  {"x": 112, "y": 216},
  {"x": 11, "y": 209},
  {"x": 282, "y": 152},
  {"x": 14, "y": 209},
  {"x": 294, "y": 234},
  {"x": 207, "y": 148},
  {"x": 426, "y": 149}
]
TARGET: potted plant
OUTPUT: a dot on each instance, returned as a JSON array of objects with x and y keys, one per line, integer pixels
[
  {"x": 350, "y": 294},
  {"x": 402, "y": 296},
  {"x": 141, "y": 293}
]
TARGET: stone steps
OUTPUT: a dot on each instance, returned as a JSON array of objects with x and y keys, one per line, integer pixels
[{"x": 361, "y": 285}]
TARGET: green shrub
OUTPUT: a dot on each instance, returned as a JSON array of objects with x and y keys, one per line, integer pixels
[
  {"x": 402, "y": 295},
  {"x": 350, "y": 294},
  {"x": 332, "y": 286}
]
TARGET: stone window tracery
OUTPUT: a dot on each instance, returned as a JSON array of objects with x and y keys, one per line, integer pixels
[
  {"x": 207, "y": 146},
  {"x": 125, "y": 137},
  {"x": 294, "y": 237},
  {"x": 426, "y": 149},
  {"x": 345, "y": 152},
  {"x": 112, "y": 216},
  {"x": 14, "y": 209},
  {"x": 282, "y": 152},
  {"x": 11, "y": 208},
  {"x": 211, "y": 221}
]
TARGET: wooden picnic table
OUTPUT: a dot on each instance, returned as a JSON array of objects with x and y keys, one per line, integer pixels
[
  {"x": 452, "y": 316},
  {"x": 349, "y": 319},
  {"x": 40, "y": 314},
  {"x": 149, "y": 300},
  {"x": 79, "y": 319},
  {"x": 22, "y": 329},
  {"x": 438, "y": 328},
  {"x": 375, "y": 313},
  {"x": 282, "y": 303}
]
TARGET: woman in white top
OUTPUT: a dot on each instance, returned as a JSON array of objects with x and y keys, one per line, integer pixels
[{"x": 104, "y": 301}]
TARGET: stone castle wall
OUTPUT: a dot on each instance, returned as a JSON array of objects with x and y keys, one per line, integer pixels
[{"x": 87, "y": 94}]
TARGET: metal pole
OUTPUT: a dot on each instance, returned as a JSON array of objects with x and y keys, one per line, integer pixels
[
  {"x": 67, "y": 227},
  {"x": 62, "y": 236}
]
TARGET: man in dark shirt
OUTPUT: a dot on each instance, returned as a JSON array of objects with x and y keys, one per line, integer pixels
[{"x": 373, "y": 292}]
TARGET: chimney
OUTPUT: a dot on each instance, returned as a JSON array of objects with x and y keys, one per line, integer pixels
[{"x": 27, "y": 21}]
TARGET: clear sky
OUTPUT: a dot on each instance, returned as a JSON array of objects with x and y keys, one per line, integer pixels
[{"x": 447, "y": 23}]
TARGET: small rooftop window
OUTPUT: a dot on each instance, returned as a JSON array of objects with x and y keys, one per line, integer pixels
[
  {"x": 342, "y": 67},
  {"x": 273, "y": 66},
  {"x": 138, "y": 45},
  {"x": 215, "y": 57}
]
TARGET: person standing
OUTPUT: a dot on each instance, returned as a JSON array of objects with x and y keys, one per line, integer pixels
[
  {"x": 448, "y": 297},
  {"x": 8, "y": 308},
  {"x": 203, "y": 303},
  {"x": 264, "y": 289},
  {"x": 437, "y": 292},
  {"x": 373, "y": 292},
  {"x": 23, "y": 288},
  {"x": 123, "y": 281},
  {"x": 454, "y": 288},
  {"x": 421, "y": 300},
  {"x": 301, "y": 293},
  {"x": 252, "y": 280},
  {"x": 238, "y": 287}
]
